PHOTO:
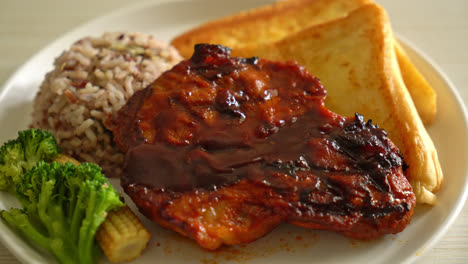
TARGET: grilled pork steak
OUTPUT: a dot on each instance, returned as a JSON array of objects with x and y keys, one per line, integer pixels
[{"x": 224, "y": 149}]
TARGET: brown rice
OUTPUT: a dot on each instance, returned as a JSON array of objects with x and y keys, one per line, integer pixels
[{"x": 90, "y": 82}]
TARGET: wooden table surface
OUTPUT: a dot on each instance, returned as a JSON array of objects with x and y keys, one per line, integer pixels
[{"x": 439, "y": 28}]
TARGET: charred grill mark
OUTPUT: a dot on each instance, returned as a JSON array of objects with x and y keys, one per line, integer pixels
[{"x": 256, "y": 136}]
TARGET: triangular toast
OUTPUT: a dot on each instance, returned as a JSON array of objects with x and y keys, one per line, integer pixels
[
  {"x": 355, "y": 59},
  {"x": 274, "y": 22},
  {"x": 421, "y": 92},
  {"x": 265, "y": 24}
]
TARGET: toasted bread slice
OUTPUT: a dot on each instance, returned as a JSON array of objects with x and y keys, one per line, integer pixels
[
  {"x": 274, "y": 22},
  {"x": 424, "y": 97},
  {"x": 265, "y": 24},
  {"x": 355, "y": 59}
]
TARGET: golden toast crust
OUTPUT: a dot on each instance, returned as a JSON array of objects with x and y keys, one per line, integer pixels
[
  {"x": 424, "y": 97},
  {"x": 274, "y": 22},
  {"x": 265, "y": 24},
  {"x": 355, "y": 59}
]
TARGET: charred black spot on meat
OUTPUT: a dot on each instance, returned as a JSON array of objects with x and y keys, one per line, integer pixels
[
  {"x": 251, "y": 140},
  {"x": 214, "y": 61}
]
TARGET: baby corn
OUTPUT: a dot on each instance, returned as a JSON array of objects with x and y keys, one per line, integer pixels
[
  {"x": 64, "y": 159},
  {"x": 121, "y": 236}
]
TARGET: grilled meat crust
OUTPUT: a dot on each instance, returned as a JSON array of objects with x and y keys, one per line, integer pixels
[{"x": 224, "y": 149}]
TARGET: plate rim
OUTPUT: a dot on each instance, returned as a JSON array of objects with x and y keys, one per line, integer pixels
[{"x": 460, "y": 202}]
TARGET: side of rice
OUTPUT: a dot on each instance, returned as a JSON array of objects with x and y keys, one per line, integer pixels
[{"x": 90, "y": 82}]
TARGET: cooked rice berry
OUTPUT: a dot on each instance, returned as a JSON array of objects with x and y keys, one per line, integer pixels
[{"x": 90, "y": 82}]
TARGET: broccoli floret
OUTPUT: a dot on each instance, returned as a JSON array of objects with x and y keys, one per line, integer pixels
[
  {"x": 64, "y": 205},
  {"x": 11, "y": 163},
  {"x": 21, "y": 154}
]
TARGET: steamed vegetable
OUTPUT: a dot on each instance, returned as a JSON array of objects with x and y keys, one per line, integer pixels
[
  {"x": 63, "y": 204},
  {"x": 20, "y": 155},
  {"x": 122, "y": 236}
]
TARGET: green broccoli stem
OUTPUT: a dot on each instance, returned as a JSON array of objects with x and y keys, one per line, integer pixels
[
  {"x": 50, "y": 212},
  {"x": 58, "y": 248},
  {"x": 43, "y": 204},
  {"x": 20, "y": 220},
  {"x": 63, "y": 204},
  {"x": 99, "y": 202},
  {"x": 86, "y": 240},
  {"x": 77, "y": 214}
]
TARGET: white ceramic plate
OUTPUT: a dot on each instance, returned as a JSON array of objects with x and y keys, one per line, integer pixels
[{"x": 286, "y": 244}]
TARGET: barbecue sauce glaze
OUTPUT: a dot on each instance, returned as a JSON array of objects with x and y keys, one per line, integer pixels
[{"x": 214, "y": 120}]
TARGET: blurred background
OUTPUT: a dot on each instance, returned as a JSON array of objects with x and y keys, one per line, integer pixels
[{"x": 438, "y": 28}]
